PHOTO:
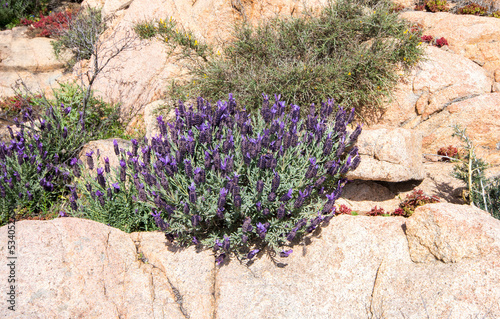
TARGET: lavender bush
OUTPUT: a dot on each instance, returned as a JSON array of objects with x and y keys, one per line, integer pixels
[
  {"x": 37, "y": 165},
  {"x": 33, "y": 171},
  {"x": 224, "y": 179}
]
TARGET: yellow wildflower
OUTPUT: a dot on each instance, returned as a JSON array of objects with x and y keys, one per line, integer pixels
[
  {"x": 406, "y": 31},
  {"x": 419, "y": 43},
  {"x": 195, "y": 42},
  {"x": 349, "y": 73}
]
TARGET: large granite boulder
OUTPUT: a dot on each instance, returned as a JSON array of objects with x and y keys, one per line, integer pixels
[{"x": 356, "y": 267}]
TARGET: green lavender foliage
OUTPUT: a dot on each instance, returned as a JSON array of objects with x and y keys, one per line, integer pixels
[{"x": 198, "y": 179}]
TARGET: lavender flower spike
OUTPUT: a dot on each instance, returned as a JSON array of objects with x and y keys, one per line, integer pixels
[
  {"x": 192, "y": 193},
  {"x": 252, "y": 253}
]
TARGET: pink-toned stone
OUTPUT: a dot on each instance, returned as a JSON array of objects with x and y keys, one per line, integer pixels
[
  {"x": 438, "y": 80},
  {"x": 73, "y": 268},
  {"x": 474, "y": 37},
  {"x": 28, "y": 61},
  {"x": 191, "y": 272},
  {"x": 389, "y": 155},
  {"x": 451, "y": 233},
  {"x": 479, "y": 115}
]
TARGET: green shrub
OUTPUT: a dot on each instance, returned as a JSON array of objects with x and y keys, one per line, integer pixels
[
  {"x": 227, "y": 180},
  {"x": 436, "y": 5},
  {"x": 11, "y": 11},
  {"x": 473, "y": 8},
  {"x": 81, "y": 35},
  {"x": 346, "y": 52},
  {"x": 173, "y": 36}
]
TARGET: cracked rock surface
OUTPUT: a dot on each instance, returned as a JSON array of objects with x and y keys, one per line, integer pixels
[{"x": 441, "y": 262}]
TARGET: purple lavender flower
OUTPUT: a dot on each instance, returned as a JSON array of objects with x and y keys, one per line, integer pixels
[
  {"x": 208, "y": 160},
  {"x": 275, "y": 182},
  {"x": 192, "y": 193},
  {"x": 123, "y": 170},
  {"x": 262, "y": 229},
  {"x": 260, "y": 186},
  {"x": 247, "y": 225},
  {"x": 220, "y": 213},
  {"x": 280, "y": 213},
  {"x": 100, "y": 177},
  {"x": 220, "y": 259},
  {"x": 116, "y": 187},
  {"x": 259, "y": 206},
  {"x": 271, "y": 197},
  {"x": 107, "y": 169},
  {"x": 65, "y": 133},
  {"x": 291, "y": 234},
  {"x": 286, "y": 197},
  {"x": 159, "y": 221},
  {"x": 90, "y": 160},
  {"x": 73, "y": 205},
  {"x": 188, "y": 168},
  {"x": 199, "y": 176},
  {"x": 195, "y": 240},
  {"x": 226, "y": 243},
  {"x": 195, "y": 220},
  {"x": 300, "y": 200},
  {"x": 354, "y": 135},
  {"x": 355, "y": 162},
  {"x": 185, "y": 210},
  {"x": 115, "y": 146},
  {"x": 222, "y": 198},
  {"x": 142, "y": 193},
  {"x": 100, "y": 197},
  {"x": 237, "y": 200},
  {"x": 265, "y": 212},
  {"x": 252, "y": 253},
  {"x": 285, "y": 254}
]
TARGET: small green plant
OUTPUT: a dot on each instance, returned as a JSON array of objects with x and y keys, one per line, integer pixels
[
  {"x": 413, "y": 200},
  {"x": 343, "y": 52},
  {"x": 448, "y": 152},
  {"x": 436, "y": 5},
  {"x": 495, "y": 14},
  {"x": 481, "y": 192},
  {"x": 173, "y": 36},
  {"x": 474, "y": 9},
  {"x": 82, "y": 32}
]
